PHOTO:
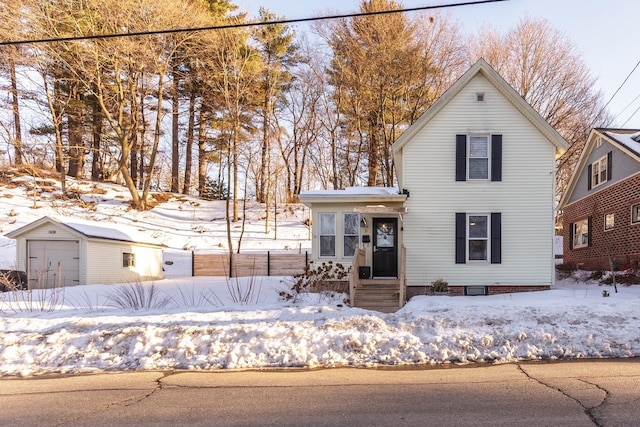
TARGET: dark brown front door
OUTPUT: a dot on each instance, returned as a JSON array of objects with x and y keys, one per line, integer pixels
[{"x": 385, "y": 247}]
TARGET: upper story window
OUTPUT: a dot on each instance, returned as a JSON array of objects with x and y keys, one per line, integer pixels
[
  {"x": 635, "y": 214},
  {"x": 478, "y": 157},
  {"x": 327, "y": 234},
  {"x": 600, "y": 171}
]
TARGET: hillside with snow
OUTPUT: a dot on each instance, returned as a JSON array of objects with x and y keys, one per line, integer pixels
[{"x": 186, "y": 322}]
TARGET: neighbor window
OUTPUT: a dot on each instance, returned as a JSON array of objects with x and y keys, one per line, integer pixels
[
  {"x": 128, "y": 259},
  {"x": 635, "y": 214},
  {"x": 328, "y": 234},
  {"x": 599, "y": 172},
  {"x": 351, "y": 233},
  {"x": 609, "y": 221},
  {"x": 478, "y": 240},
  {"x": 478, "y": 157},
  {"x": 581, "y": 234}
]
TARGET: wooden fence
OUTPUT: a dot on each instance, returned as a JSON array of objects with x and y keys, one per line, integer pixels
[{"x": 243, "y": 265}]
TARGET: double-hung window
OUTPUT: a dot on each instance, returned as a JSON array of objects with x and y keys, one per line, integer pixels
[
  {"x": 478, "y": 237},
  {"x": 635, "y": 214},
  {"x": 351, "y": 234},
  {"x": 609, "y": 221},
  {"x": 478, "y": 158},
  {"x": 580, "y": 233},
  {"x": 600, "y": 171},
  {"x": 327, "y": 234},
  {"x": 128, "y": 259}
]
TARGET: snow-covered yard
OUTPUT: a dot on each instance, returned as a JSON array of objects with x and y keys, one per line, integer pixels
[{"x": 199, "y": 323}]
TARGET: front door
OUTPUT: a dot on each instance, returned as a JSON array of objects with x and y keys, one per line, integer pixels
[{"x": 385, "y": 247}]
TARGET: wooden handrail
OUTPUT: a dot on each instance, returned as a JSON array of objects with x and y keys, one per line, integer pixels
[
  {"x": 354, "y": 276},
  {"x": 401, "y": 277}
]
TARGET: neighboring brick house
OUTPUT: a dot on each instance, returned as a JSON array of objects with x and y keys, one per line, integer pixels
[{"x": 601, "y": 205}]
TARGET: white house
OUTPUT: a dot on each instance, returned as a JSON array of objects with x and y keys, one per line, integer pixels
[
  {"x": 57, "y": 253},
  {"x": 474, "y": 204}
]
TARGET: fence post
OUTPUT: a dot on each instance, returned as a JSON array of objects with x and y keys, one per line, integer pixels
[
  {"x": 268, "y": 263},
  {"x": 230, "y": 264},
  {"x": 193, "y": 263}
]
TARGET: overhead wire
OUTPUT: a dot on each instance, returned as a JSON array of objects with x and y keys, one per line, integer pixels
[{"x": 244, "y": 24}]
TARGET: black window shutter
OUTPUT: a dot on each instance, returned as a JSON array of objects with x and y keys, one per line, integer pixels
[
  {"x": 461, "y": 157},
  {"x": 609, "y": 164},
  {"x": 589, "y": 230},
  {"x": 496, "y": 238},
  {"x": 461, "y": 237},
  {"x": 589, "y": 177},
  {"x": 496, "y": 157},
  {"x": 572, "y": 228}
]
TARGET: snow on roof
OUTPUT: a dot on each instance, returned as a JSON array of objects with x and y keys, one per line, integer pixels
[
  {"x": 629, "y": 140},
  {"x": 354, "y": 191},
  {"x": 101, "y": 232}
]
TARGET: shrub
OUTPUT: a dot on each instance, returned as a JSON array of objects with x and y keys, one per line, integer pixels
[
  {"x": 137, "y": 296},
  {"x": 320, "y": 279},
  {"x": 440, "y": 285}
]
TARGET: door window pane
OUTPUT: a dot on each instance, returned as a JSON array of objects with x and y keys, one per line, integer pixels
[{"x": 384, "y": 235}]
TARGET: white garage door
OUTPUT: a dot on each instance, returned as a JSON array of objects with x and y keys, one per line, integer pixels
[{"x": 53, "y": 263}]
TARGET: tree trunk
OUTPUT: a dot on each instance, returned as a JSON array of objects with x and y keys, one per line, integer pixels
[
  {"x": 189, "y": 148},
  {"x": 74, "y": 131},
  {"x": 202, "y": 154},
  {"x": 17, "y": 141},
  {"x": 175, "y": 151},
  {"x": 97, "y": 174}
]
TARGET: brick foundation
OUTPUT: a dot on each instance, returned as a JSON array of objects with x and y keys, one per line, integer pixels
[
  {"x": 622, "y": 243},
  {"x": 413, "y": 291}
]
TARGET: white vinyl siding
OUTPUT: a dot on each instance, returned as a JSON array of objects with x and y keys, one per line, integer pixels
[{"x": 524, "y": 196}]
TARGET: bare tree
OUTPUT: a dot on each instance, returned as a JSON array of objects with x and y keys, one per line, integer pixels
[
  {"x": 542, "y": 64},
  {"x": 386, "y": 70}
]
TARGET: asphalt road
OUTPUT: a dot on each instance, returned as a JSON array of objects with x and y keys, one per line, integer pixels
[{"x": 579, "y": 393}]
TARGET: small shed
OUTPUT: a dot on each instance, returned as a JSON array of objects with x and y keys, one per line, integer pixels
[{"x": 55, "y": 252}]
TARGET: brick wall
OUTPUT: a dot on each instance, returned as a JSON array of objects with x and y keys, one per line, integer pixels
[{"x": 622, "y": 243}]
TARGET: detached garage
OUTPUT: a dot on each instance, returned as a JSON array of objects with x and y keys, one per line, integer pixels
[{"x": 54, "y": 253}]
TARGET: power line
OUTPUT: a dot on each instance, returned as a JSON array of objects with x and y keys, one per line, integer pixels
[
  {"x": 618, "y": 90},
  {"x": 243, "y": 25}
]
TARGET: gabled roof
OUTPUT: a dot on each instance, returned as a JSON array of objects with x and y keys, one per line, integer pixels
[
  {"x": 87, "y": 230},
  {"x": 483, "y": 68},
  {"x": 627, "y": 140}
]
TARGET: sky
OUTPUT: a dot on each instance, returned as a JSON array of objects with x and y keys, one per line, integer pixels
[
  {"x": 199, "y": 323},
  {"x": 603, "y": 31}
]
